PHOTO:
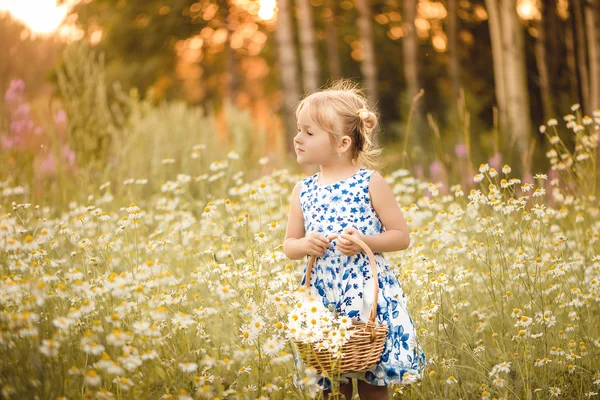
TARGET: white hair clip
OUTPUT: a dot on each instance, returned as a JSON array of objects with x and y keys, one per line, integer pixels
[{"x": 363, "y": 113}]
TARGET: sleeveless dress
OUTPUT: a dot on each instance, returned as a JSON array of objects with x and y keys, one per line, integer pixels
[{"x": 345, "y": 282}]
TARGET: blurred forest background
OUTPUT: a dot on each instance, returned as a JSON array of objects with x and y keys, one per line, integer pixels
[{"x": 453, "y": 80}]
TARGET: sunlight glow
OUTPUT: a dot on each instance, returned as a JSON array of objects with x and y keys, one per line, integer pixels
[
  {"x": 42, "y": 16},
  {"x": 267, "y": 9},
  {"x": 528, "y": 10}
]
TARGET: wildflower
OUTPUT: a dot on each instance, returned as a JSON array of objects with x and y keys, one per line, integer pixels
[
  {"x": 130, "y": 361},
  {"x": 133, "y": 211},
  {"x": 478, "y": 178},
  {"x": 149, "y": 355},
  {"x": 169, "y": 186},
  {"x": 526, "y": 187},
  {"x": 451, "y": 380},
  {"x": 92, "y": 378},
  {"x": 554, "y": 391},
  {"x": 188, "y": 367},
  {"x": 92, "y": 348},
  {"x": 115, "y": 369},
  {"x": 182, "y": 320},
  {"x": 117, "y": 338},
  {"x": 225, "y": 292},
  {"x": 124, "y": 383},
  {"x": 260, "y": 237},
  {"x": 205, "y": 391},
  {"x": 552, "y": 122},
  {"x": 502, "y": 367},
  {"x": 498, "y": 381},
  {"x": 183, "y": 178},
  {"x": 63, "y": 322},
  {"x": 140, "y": 327},
  {"x": 104, "y": 394},
  {"x": 49, "y": 348},
  {"x": 209, "y": 211},
  {"x": 483, "y": 168},
  {"x": 269, "y": 387},
  {"x": 273, "y": 346}
]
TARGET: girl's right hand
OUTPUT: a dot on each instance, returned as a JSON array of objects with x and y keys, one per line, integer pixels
[{"x": 316, "y": 244}]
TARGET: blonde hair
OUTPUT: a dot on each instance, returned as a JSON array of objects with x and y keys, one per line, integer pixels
[{"x": 342, "y": 109}]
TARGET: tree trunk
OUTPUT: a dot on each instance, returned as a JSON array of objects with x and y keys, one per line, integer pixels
[
  {"x": 497, "y": 62},
  {"x": 310, "y": 62},
  {"x": 232, "y": 63},
  {"x": 453, "y": 48},
  {"x": 515, "y": 79},
  {"x": 542, "y": 65},
  {"x": 368, "y": 65},
  {"x": 288, "y": 70},
  {"x": 581, "y": 53},
  {"x": 333, "y": 58},
  {"x": 571, "y": 63},
  {"x": 454, "y": 63},
  {"x": 234, "y": 80},
  {"x": 409, "y": 49},
  {"x": 592, "y": 13}
]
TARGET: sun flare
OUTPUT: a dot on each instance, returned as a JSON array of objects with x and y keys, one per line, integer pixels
[{"x": 42, "y": 16}]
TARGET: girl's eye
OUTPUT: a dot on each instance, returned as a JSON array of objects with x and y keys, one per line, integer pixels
[{"x": 308, "y": 133}]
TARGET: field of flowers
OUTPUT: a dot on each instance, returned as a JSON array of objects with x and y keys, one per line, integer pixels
[{"x": 168, "y": 297}]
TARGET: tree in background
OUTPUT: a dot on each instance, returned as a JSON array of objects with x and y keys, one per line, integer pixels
[
  {"x": 288, "y": 70},
  {"x": 368, "y": 65},
  {"x": 206, "y": 50},
  {"x": 25, "y": 56},
  {"x": 510, "y": 72},
  {"x": 310, "y": 61}
]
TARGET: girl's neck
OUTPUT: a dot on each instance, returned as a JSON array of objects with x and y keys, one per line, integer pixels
[{"x": 334, "y": 173}]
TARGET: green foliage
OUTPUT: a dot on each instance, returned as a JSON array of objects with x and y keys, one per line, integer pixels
[{"x": 91, "y": 124}]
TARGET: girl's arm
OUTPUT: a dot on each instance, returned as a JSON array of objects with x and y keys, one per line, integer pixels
[
  {"x": 296, "y": 244},
  {"x": 396, "y": 236},
  {"x": 293, "y": 246}
]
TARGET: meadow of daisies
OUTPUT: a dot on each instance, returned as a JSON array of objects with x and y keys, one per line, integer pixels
[{"x": 163, "y": 294}]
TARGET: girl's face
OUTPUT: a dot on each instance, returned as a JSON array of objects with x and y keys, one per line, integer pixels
[{"x": 313, "y": 145}]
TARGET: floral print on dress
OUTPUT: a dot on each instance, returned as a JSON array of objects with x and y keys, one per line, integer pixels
[{"x": 345, "y": 282}]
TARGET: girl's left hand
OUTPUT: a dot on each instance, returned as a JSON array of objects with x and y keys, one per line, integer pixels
[{"x": 347, "y": 247}]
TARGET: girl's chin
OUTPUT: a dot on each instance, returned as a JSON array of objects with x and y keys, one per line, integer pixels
[{"x": 304, "y": 162}]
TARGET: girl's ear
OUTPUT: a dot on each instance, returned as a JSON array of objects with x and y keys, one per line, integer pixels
[{"x": 345, "y": 144}]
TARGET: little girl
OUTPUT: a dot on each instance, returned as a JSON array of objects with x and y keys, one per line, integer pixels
[{"x": 335, "y": 132}]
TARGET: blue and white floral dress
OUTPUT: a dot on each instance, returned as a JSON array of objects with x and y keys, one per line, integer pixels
[{"x": 344, "y": 281}]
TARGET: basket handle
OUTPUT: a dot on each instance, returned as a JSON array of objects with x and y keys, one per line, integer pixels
[{"x": 363, "y": 245}]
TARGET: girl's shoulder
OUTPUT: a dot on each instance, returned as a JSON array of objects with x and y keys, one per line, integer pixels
[
  {"x": 308, "y": 182},
  {"x": 366, "y": 173}
]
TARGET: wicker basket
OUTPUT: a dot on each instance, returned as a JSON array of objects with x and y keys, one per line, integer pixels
[{"x": 363, "y": 349}]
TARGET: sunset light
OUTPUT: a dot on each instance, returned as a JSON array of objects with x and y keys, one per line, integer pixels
[
  {"x": 267, "y": 9},
  {"x": 42, "y": 16}
]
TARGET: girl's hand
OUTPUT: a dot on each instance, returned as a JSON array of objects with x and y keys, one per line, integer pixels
[
  {"x": 347, "y": 247},
  {"x": 316, "y": 244}
]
